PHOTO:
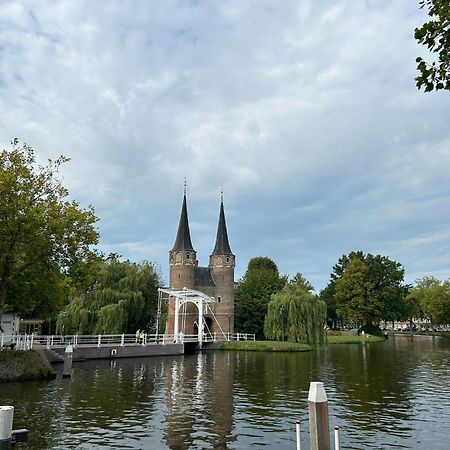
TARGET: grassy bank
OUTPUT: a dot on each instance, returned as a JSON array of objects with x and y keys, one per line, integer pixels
[
  {"x": 23, "y": 365},
  {"x": 266, "y": 346},
  {"x": 347, "y": 339},
  {"x": 276, "y": 346}
]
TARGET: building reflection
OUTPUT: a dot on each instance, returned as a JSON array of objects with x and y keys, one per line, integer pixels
[{"x": 199, "y": 401}]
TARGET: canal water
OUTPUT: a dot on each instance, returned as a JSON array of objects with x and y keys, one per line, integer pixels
[{"x": 392, "y": 395}]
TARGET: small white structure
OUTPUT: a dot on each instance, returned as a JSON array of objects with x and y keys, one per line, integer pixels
[
  {"x": 200, "y": 300},
  {"x": 10, "y": 325}
]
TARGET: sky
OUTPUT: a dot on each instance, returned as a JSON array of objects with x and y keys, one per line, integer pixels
[{"x": 305, "y": 112}]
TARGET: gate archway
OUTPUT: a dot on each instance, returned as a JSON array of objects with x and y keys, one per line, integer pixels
[{"x": 203, "y": 303}]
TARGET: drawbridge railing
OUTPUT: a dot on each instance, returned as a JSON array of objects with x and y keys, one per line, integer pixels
[{"x": 30, "y": 341}]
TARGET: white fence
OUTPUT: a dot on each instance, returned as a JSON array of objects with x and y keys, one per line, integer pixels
[{"x": 28, "y": 341}]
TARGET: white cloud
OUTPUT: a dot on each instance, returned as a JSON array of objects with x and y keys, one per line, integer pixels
[{"x": 306, "y": 112}]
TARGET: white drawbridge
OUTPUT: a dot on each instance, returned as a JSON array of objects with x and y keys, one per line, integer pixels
[{"x": 204, "y": 305}]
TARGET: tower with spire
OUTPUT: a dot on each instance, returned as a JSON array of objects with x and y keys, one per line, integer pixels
[
  {"x": 221, "y": 265},
  {"x": 216, "y": 280}
]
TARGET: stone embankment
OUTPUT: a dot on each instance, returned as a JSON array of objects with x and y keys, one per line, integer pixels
[{"x": 19, "y": 365}]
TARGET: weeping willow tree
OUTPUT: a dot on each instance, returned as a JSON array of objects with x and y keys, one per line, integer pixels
[
  {"x": 296, "y": 315},
  {"x": 122, "y": 299}
]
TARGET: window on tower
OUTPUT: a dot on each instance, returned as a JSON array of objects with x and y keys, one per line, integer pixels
[{"x": 219, "y": 298}]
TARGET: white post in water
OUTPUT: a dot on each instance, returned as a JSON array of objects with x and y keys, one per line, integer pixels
[
  {"x": 6, "y": 422},
  {"x": 297, "y": 430},
  {"x": 336, "y": 438},
  {"x": 67, "y": 370},
  {"x": 318, "y": 417}
]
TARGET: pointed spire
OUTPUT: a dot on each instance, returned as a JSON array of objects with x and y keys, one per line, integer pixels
[
  {"x": 183, "y": 240},
  {"x": 222, "y": 246}
]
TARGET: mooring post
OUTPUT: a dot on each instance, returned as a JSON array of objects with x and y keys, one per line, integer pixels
[
  {"x": 297, "y": 432},
  {"x": 67, "y": 370},
  {"x": 318, "y": 417},
  {"x": 336, "y": 438},
  {"x": 6, "y": 422}
]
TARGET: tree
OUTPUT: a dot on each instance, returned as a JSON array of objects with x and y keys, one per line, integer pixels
[
  {"x": 386, "y": 277},
  {"x": 432, "y": 298},
  {"x": 295, "y": 314},
  {"x": 262, "y": 263},
  {"x": 302, "y": 282},
  {"x": 45, "y": 240},
  {"x": 355, "y": 295},
  {"x": 435, "y": 34},
  {"x": 123, "y": 298},
  {"x": 253, "y": 293},
  {"x": 327, "y": 295}
]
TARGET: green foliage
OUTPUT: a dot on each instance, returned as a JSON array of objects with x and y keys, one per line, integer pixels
[
  {"x": 355, "y": 296},
  {"x": 375, "y": 288},
  {"x": 431, "y": 298},
  {"x": 327, "y": 295},
  {"x": 266, "y": 346},
  {"x": 45, "y": 239},
  {"x": 435, "y": 35},
  {"x": 253, "y": 293},
  {"x": 297, "y": 315},
  {"x": 302, "y": 282},
  {"x": 262, "y": 263},
  {"x": 122, "y": 299}
]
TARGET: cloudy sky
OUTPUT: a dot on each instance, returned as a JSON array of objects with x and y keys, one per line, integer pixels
[{"x": 306, "y": 113}]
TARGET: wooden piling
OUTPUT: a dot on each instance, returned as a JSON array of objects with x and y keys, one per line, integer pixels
[
  {"x": 318, "y": 417},
  {"x": 67, "y": 370}
]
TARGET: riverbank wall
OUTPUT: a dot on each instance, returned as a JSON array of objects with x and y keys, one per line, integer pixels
[
  {"x": 20, "y": 365},
  {"x": 81, "y": 353}
]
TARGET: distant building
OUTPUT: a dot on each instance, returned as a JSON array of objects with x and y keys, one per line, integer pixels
[{"x": 216, "y": 280}]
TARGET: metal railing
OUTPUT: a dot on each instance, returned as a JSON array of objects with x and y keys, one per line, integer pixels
[{"x": 28, "y": 341}]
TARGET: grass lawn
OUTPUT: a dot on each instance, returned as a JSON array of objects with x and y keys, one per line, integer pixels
[
  {"x": 279, "y": 346},
  {"x": 347, "y": 339},
  {"x": 267, "y": 346}
]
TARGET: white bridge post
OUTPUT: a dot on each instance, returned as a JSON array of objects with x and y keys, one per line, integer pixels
[
  {"x": 68, "y": 354},
  {"x": 177, "y": 311},
  {"x": 200, "y": 322}
]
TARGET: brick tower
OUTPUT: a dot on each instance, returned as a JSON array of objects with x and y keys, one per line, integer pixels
[
  {"x": 216, "y": 280},
  {"x": 221, "y": 265},
  {"x": 182, "y": 263}
]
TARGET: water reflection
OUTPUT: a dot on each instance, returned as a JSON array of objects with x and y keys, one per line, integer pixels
[
  {"x": 384, "y": 396},
  {"x": 199, "y": 401}
]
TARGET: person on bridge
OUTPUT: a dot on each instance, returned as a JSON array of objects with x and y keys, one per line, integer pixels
[{"x": 138, "y": 335}]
